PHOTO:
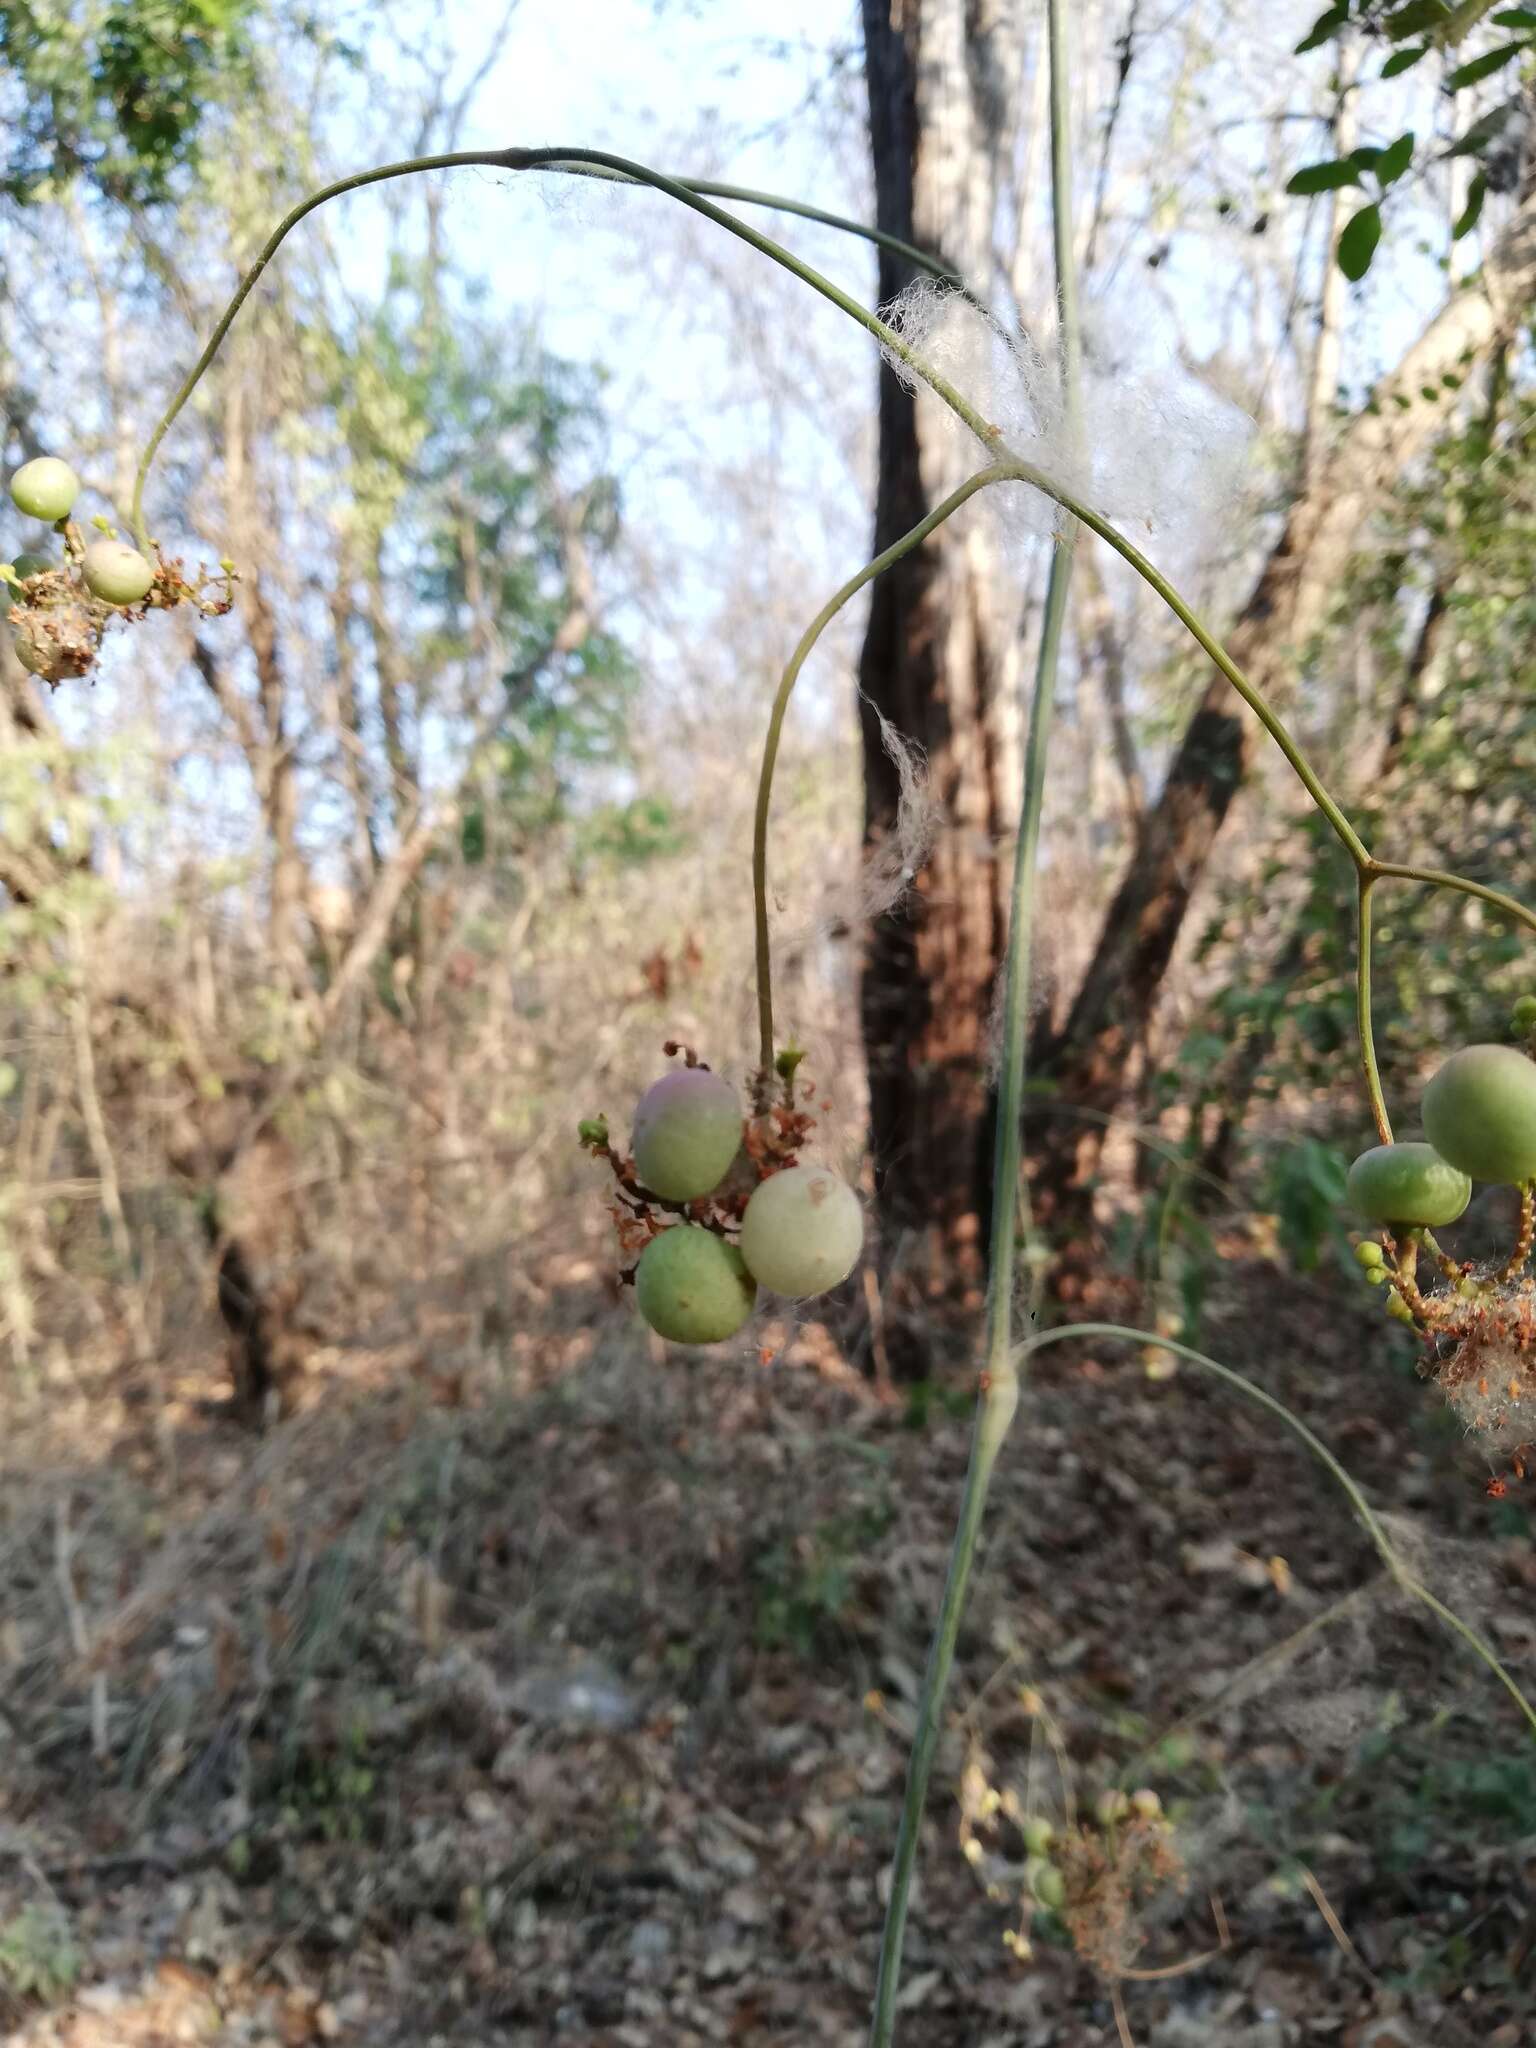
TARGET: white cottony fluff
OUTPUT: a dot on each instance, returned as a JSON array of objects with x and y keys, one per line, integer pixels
[{"x": 1157, "y": 448}]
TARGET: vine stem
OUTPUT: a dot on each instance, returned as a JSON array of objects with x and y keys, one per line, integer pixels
[
  {"x": 999, "y": 1385},
  {"x": 1364, "y": 1513},
  {"x": 1442, "y": 878},
  {"x": 578, "y": 162},
  {"x": 813, "y": 632},
  {"x": 1367, "y": 882},
  {"x": 692, "y": 194}
]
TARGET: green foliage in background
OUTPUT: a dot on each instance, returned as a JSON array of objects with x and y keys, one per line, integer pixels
[
  {"x": 1474, "y": 44},
  {"x": 115, "y": 93},
  {"x": 1459, "y": 744}
]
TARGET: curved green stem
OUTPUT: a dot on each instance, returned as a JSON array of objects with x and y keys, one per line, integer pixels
[
  {"x": 1201, "y": 634},
  {"x": 448, "y": 160},
  {"x": 1442, "y": 878},
  {"x": 602, "y": 161},
  {"x": 1367, "y": 882},
  {"x": 560, "y": 159},
  {"x": 748, "y": 195},
  {"x": 999, "y": 1395},
  {"x": 813, "y": 632},
  {"x": 1364, "y": 1513}
]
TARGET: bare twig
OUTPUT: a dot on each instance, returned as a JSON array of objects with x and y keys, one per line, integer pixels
[
  {"x": 1335, "y": 1925},
  {"x": 79, "y": 1632}
]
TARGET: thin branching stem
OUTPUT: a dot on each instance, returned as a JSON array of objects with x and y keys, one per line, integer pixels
[
  {"x": 1367, "y": 882},
  {"x": 1404, "y": 1577},
  {"x": 1442, "y": 878},
  {"x": 999, "y": 1383},
  {"x": 602, "y": 162},
  {"x": 813, "y": 632},
  {"x": 577, "y": 161},
  {"x": 800, "y": 209},
  {"x": 999, "y": 1389}
]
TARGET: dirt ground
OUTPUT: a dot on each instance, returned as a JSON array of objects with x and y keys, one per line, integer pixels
[{"x": 532, "y": 1687}]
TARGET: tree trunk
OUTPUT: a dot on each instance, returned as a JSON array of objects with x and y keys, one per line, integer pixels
[
  {"x": 936, "y": 659},
  {"x": 1288, "y": 607}
]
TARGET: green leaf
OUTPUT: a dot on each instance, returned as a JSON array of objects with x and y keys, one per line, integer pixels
[
  {"x": 1357, "y": 244},
  {"x": 1395, "y": 159},
  {"x": 1327, "y": 24},
  {"x": 1329, "y": 177},
  {"x": 1466, "y": 220},
  {"x": 1483, "y": 67},
  {"x": 1515, "y": 17},
  {"x": 1417, "y": 16},
  {"x": 1404, "y": 60}
]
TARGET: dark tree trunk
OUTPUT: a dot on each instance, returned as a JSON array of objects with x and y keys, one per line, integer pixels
[{"x": 935, "y": 663}]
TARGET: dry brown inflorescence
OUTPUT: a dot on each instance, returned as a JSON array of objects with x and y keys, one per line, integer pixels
[{"x": 59, "y": 624}]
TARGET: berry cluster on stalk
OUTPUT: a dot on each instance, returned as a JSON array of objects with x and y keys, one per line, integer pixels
[
  {"x": 711, "y": 1203},
  {"x": 59, "y": 606},
  {"x": 1479, "y": 1322}
]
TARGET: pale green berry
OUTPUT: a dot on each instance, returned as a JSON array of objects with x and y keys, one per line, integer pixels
[
  {"x": 1522, "y": 1019},
  {"x": 1369, "y": 1253},
  {"x": 45, "y": 488},
  {"x": 693, "y": 1287},
  {"x": 1049, "y": 1886},
  {"x": 687, "y": 1131},
  {"x": 802, "y": 1231},
  {"x": 1038, "y": 1834},
  {"x": 117, "y": 573},
  {"x": 1480, "y": 1113},
  {"x": 1409, "y": 1184}
]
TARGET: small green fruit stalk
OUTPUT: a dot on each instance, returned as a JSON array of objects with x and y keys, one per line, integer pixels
[{"x": 710, "y": 1202}]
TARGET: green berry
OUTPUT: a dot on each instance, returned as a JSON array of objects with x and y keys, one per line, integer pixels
[
  {"x": 1038, "y": 1834},
  {"x": 593, "y": 1131},
  {"x": 117, "y": 573},
  {"x": 1522, "y": 1018},
  {"x": 693, "y": 1287},
  {"x": 802, "y": 1231},
  {"x": 687, "y": 1132},
  {"x": 1480, "y": 1113},
  {"x": 29, "y": 565},
  {"x": 45, "y": 488},
  {"x": 1407, "y": 1184},
  {"x": 1049, "y": 1886},
  {"x": 1398, "y": 1309},
  {"x": 1369, "y": 1254}
]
